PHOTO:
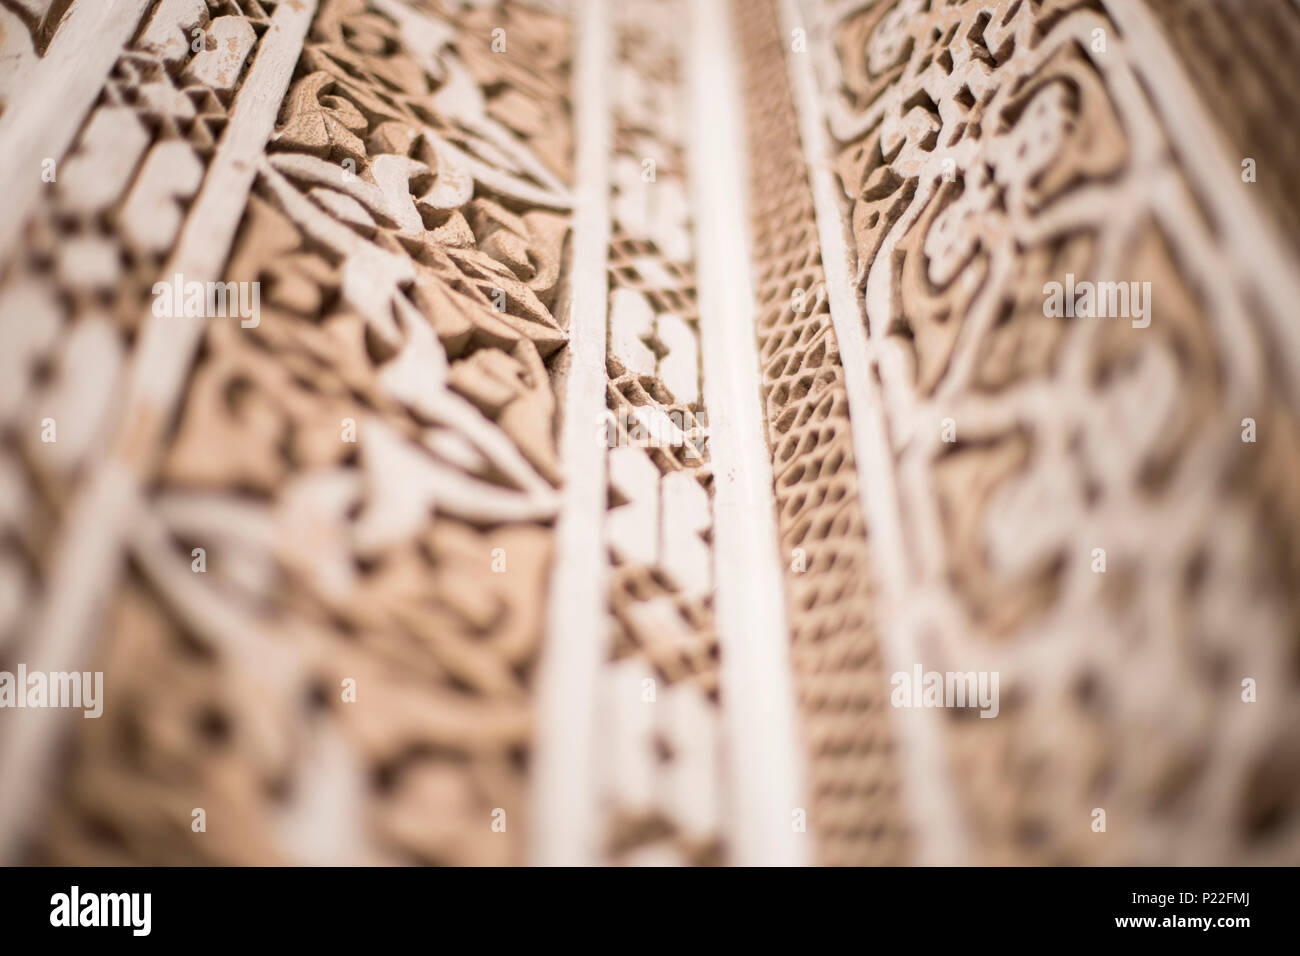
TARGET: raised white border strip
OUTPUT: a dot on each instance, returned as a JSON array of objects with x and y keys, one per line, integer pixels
[
  {"x": 59, "y": 89},
  {"x": 922, "y": 759},
  {"x": 89, "y": 557},
  {"x": 563, "y": 828},
  {"x": 764, "y": 749}
]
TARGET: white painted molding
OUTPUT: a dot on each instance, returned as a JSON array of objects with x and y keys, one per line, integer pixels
[
  {"x": 563, "y": 830},
  {"x": 765, "y": 761}
]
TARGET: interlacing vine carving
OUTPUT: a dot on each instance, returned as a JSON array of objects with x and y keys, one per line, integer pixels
[{"x": 987, "y": 149}]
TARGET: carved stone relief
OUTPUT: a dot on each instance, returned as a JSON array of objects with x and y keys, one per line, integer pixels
[
  {"x": 1082, "y": 511},
  {"x": 289, "y": 323}
]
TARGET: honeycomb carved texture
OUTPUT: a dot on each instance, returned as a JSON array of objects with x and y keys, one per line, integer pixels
[{"x": 842, "y": 688}]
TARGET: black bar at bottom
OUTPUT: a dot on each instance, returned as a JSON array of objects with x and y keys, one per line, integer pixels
[{"x": 441, "y": 907}]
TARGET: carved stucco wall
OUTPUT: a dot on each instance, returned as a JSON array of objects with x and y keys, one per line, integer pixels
[
  {"x": 315, "y": 553},
  {"x": 985, "y": 150}
]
